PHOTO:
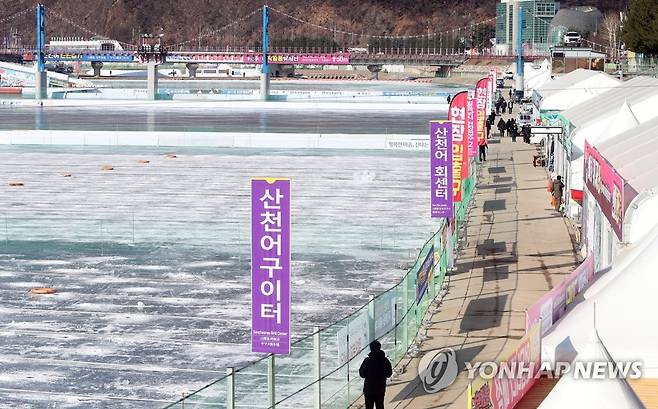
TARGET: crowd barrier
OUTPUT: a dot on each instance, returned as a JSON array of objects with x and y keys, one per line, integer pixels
[{"x": 322, "y": 368}]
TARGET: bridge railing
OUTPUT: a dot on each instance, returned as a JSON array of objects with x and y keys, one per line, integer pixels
[{"x": 322, "y": 369}]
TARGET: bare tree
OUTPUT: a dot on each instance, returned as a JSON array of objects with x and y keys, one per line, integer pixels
[{"x": 611, "y": 27}]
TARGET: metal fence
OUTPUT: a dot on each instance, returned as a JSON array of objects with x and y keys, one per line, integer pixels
[{"x": 322, "y": 368}]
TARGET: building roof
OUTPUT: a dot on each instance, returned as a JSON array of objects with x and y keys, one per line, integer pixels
[
  {"x": 605, "y": 104},
  {"x": 633, "y": 154},
  {"x": 582, "y": 19}
]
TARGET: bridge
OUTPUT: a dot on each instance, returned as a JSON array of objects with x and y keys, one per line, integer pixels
[{"x": 309, "y": 44}]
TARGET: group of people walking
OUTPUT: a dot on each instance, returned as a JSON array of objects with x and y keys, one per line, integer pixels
[{"x": 511, "y": 128}]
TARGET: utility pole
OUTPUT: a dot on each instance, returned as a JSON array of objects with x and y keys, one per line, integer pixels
[
  {"x": 519, "y": 59},
  {"x": 265, "y": 68},
  {"x": 41, "y": 76}
]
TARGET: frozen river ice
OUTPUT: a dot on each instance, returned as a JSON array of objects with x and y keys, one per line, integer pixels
[{"x": 151, "y": 261}]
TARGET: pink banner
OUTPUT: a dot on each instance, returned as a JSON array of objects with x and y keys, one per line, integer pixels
[
  {"x": 504, "y": 391},
  {"x": 607, "y": 187},
  {"x": 554, "y": 303},
  {"x": 472, "y": 118},
  {"x": 311, "y": 59},
  {"x": 256, "y": 58},
  {"x": 481, "y": 104}
]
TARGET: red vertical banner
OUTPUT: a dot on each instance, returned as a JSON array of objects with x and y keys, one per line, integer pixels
[
  {"x": 481, "y": 104},
  {"x": 457, "y": 115}
]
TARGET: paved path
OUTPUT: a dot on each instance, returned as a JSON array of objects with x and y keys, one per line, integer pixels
[{"x": 516, "y": 249}]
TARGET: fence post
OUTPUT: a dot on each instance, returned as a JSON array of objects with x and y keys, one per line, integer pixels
[
  {"x": 270, "y": 382},
  {"x": 371, "y": 318},
  {"x": 317, "y": 367},
  {"x": 405, "y": 313},
  {"x": 230, "y": 389}
]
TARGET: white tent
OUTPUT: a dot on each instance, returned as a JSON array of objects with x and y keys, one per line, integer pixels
[
  {"x": 622, "y": 121},
  {"x": 606, "y": 393},
  {"x": 625, "y": 313},
  {"x": 535, "y": 77},
  {"x": 594, "y": 116},
  {"x": 574, "y": 88}
]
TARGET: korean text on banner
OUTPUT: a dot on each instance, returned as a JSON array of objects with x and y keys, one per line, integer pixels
[
  {"x": 481, "y": 103},
  {"x": 457, "y": 115},
  {"x": 504, "y": 391},
  {"x": 607, "y": 187},
  {"x": 554, "y": 303},
  {"x": 472, "y": 119},
  {"x": 270, "y": 266},
  {"x": 441, "y": 168},
  {"x": 490, "y": 93}
]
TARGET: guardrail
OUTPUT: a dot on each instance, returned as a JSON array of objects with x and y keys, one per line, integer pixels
[{"x": 322, "y": 368}]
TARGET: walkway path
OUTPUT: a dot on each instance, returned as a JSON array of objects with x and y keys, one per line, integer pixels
[{"x": 516, "y": 249}]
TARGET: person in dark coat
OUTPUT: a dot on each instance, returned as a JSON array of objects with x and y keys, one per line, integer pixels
[
  {"x": 510, "y": 105},
  {"x": 482, "y": 149},
  {"x": 501, "y": 127},
  {"x": 375, "y": 369},
  {"x": 526, "y": 133},
  {"x": 448, "y": 99},
  {"x": 511, "y": 123},
  {"x": 488, "y": 124},
  {"x": 514, "y": 132}
]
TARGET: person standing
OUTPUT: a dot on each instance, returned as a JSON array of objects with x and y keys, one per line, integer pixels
[
  {"x": 514, "y": 133},
  {"x": 558, "y": 190},
  {"x": 375, "y": 369},
  {"x": 448, "y": 99},
  {"x": 483, "y": 146},
  {"x": 510, "y": 92},
  {"x": 510, "y": 105},
  {"x": 501, "y": 127},
  {"x": 488, "y": 125}
]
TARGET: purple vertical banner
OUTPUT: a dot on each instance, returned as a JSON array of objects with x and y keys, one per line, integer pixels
[
  {"x": 441, "y": 168},
  {"x": 270, "y": 265}
]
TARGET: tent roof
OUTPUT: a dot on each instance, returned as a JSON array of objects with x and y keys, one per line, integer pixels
[
  {"x": 559, "y": 96},
  {"x": 633, "y": 154},
  {"x": 566, "y": 81},
  {"x": 606, "y": 103},
  {"x": 624, "y": 304},
  {"x": 573, "y": 392}
]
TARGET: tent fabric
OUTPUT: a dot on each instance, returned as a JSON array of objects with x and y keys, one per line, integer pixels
[
  {"x": 636, "y": 90},
  {"x": 572, "y": 392},
  {"x": 536, "y": 77},
  {"x": 624, "y": 120},
  {"x": 605, "y": 123},
  {"x": 561, "y": 94},
  {"x": 633, "y": 154},
  {"x": 576, "y": 174},
  {"x": 625, "y": 305},
  {"x": 565, "y": 81}
]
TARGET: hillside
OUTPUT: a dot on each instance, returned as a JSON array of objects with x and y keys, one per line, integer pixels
[{"x": 187, "y": 20}]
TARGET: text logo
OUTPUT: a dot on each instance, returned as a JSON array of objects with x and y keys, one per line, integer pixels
[{"x": 438, "y": 370}]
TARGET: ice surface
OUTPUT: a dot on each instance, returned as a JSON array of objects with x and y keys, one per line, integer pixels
[{"x": 151, "y": 262}]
